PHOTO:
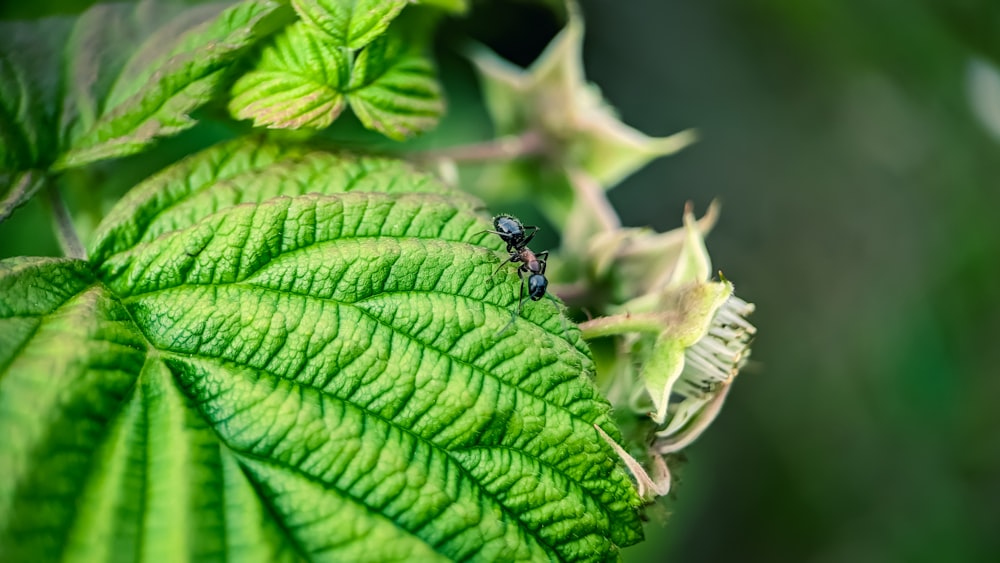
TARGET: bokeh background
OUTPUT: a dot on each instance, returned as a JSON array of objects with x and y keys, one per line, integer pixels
[
  {"x": 855, "y": 145},
  {"x": 856, "y": 150}
]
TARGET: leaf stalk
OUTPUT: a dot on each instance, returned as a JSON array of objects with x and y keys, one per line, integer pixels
[
  {"x": 509, "y": 147},
  {"x": 62, "y": 224}
]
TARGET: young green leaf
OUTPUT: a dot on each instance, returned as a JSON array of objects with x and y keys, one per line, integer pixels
[
  {"x": 279, "y": 353},
  {"x": 349, "y": 23},
  {"x": 303, "y": 81},
  {"x": 175, "y": 71},
  {"x": 298, "y": 82},
  {"x": 393, "y": 89}
]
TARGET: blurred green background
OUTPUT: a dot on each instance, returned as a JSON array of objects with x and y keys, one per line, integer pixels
[
  {"x": 851, "y": 145},
  {"x": 855, "y": 146}
]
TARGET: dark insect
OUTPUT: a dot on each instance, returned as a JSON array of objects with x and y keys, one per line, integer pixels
[
  {"x": 516, "y": 236},
  {"x": 511, "y": 231}
]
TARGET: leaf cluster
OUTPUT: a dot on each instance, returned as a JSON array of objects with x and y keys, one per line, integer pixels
[{"x": 273, "y": 349}]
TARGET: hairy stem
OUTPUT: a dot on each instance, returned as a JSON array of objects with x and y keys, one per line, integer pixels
[
  {"x": 529, "y": 143},
  {"x": 622, "y": 324}
]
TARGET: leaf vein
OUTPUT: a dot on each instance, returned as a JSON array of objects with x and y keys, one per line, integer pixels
[{"x": 449, "y": 460}]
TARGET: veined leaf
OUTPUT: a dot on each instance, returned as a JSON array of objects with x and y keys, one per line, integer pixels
[
  {"x": 297, "y": 83},
  {"x": 100, "y": 45},
  {"x": 349, "y": 23},
  {"x": 303, "y": 81},
  {"x": 393, "y": 89},
  {"x": 70, "y": 357},
  {"x": 278, "y": 353},
  {"x": 175, "y": 71}
]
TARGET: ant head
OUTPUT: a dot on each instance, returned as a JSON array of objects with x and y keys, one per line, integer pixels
[
  {"x": 508, "y": 225},
  {"x": 536, "y": 286}
]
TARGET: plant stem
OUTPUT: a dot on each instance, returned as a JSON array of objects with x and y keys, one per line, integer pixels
[
  {"x": 69, "y": 241},
  {"x": 27, "y": 184},
  {"x": 529, "y": 143},
  {"x": 621, "y": 324}
]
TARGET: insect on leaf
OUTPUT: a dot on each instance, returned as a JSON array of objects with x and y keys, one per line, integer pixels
[{"x": 280, "y": 353}]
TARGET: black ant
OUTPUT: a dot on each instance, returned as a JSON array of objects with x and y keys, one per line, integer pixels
[
  {"x": 511, "y": 231},
  {"x": 515, "y": 235}
]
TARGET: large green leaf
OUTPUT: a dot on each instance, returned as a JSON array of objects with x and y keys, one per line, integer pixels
[{"x": 280, "y": 353}]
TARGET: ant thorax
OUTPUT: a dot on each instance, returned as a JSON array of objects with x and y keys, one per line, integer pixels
[{"x": 530, "y": 261}]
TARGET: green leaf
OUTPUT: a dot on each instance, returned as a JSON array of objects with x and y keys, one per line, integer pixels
[
  {"x": 70, "y": 357},
  {"x": 393, "y": 89},
  {"x": 29, "y": 62},
  {"x": 297, "y": 83},
  {"x": 280, "y": 353},
  {"x": 349, "y": 23},
  {"x": 97, "y": 50},
  {"x": 453, "y": 6},
  {"x": 177, "y": 69},
  {"x": 114, "y": 80},
  {"x": 303, "y": 81}
]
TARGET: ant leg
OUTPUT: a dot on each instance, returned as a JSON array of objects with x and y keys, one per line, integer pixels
[
  {"x": 528, "y": 238},
  {"x": 520, "y": 303},
  {"x": 520, "y": 293},
  {"x": 514, "y": 258},
  {"x": 542, "y": 258}
]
